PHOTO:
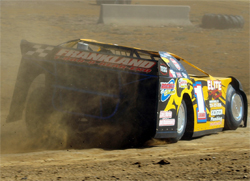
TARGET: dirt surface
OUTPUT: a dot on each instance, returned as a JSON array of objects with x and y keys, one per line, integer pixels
[{"x": 222, "y": 156}]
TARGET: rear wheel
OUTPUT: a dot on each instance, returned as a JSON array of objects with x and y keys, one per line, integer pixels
[
  {"x": 181, "y": 122},
  {"x": 234, "y": 109}
]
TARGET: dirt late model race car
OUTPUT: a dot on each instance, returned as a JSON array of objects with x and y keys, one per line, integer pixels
[{"x": 91, "y": 83}]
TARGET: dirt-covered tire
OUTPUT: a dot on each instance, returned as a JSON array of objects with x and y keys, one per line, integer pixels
[
  {"x": 208, "y": 21},
  {"x": 234, "y": 109},
  {"x": 181, "y": 122},
  {"x": 221, "y": 21},
  {"x": 240, "y": 20}
]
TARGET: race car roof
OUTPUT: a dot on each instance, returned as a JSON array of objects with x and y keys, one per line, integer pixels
[{"x": 131, "y": 50}]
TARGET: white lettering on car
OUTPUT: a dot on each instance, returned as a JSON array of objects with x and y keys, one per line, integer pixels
[
  {"x": 216, "y": 112},
  {"x": 167, "y": 122},
  {"x": 212, "y": 85},
  {"x": 216, "y": 119}
]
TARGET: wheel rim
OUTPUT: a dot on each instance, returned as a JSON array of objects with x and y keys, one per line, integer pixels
[
  {"x": 181, "y": 119},
  {"x": 237, "y": 107}
]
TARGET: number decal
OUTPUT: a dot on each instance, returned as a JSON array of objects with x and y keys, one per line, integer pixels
[{"x": 201, "y": 108}]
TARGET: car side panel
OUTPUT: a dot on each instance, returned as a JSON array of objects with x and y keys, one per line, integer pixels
[{"x": 210, "y": 103}]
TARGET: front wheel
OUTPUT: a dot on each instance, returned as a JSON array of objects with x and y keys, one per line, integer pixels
[
  {"x": 181, "y": 122},
  {"x": 234, "y": 109}
]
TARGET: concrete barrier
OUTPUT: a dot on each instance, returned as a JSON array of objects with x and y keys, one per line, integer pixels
[{"x": 144, "y": 15}]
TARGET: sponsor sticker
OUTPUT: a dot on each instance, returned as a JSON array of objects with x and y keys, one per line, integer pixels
[
  {"x": 215, "y": 123},
  {"x": 165, "y": 114},
  {"x": 163, "y": 69},
  {"x": 167, "y": 89},
  {"x": 165, "y": 59},
  {"x": 201, "y": 115},
  {"x": 172, "y": 73},
  {"x": 214, "y": 85},
  {"x": 216, "y": 112},
  {"x": 182, "y": 83},
  {"x": 176, "y": 64},
  {"x": 178, "y": 74},
  {"x": 215, "y": 93},
  {"x": 214, "y": 88},
  {"x": 219, "y": 118},
  {"x": 167, "y": 122},
  {"x": 214, "y": 103}
]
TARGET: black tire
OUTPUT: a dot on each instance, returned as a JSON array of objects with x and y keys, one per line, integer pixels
[
  {"x": 234, "y": 109},
  {"x": 240, "y": 21},
  {"x": 208, "y": 21},
  {"x": 229, "y": 22},
  {"x": 180, "y": 128},
  {"x": 220, "y": 21},
  {"x": 224, "y": 22},
  {"x": 234, "y": 21}
]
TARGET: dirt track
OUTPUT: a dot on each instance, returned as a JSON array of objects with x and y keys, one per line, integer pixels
[{"x": 223, "y": 156}]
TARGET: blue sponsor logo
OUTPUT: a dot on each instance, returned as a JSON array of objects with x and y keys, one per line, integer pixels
[{"x": 167, "y": 89}]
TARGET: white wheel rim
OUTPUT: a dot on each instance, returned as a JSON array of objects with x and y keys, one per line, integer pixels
[
  {"x": 181, "y": 119},
  {"x": 237, "y": 107}
]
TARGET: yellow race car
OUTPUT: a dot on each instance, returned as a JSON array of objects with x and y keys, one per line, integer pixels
[{"x": 92, "y": 83}]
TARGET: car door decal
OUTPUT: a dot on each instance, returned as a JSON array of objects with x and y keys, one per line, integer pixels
[{"x": 201, "y": 108}]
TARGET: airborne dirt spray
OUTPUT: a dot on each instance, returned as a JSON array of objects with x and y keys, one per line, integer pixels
[
  {"x": 55, "y": 119},
  {"x": 39, "y": 26}
]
